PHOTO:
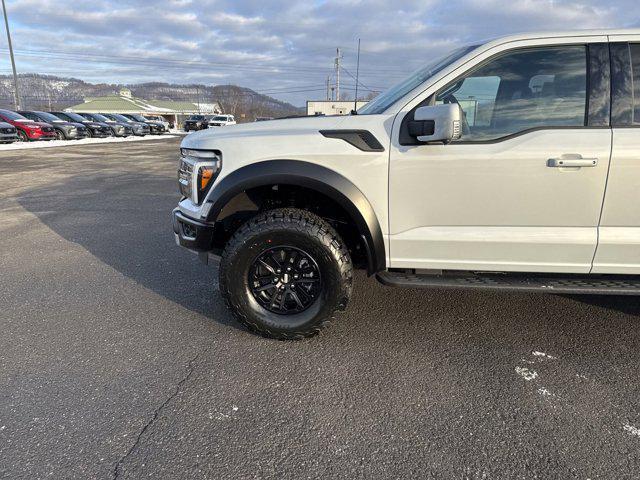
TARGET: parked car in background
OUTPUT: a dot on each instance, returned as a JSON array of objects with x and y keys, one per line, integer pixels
[
  {"x": 28, "y": 130},
  {"x": 140, "y": 129},
  {"x": 8, "y": 133},
  {"x": 95, "y": 129},
  {"x": 97, "y": 118},
  {"x": 196, "y": 122},
  {"x": 156, "y": 128},
  {"x": 157, "y": 118},
  {"x": 64, "y": 130},
  {"x": 221, "y": 121},
  {"x": 118, "y": 129}
]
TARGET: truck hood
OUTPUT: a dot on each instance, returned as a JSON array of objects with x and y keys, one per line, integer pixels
[{"x": 212, "y": 137}]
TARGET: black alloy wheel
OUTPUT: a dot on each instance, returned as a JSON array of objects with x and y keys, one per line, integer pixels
[
  {"x": 285, "y": 280},
  {"x": 285, "y": 273}
]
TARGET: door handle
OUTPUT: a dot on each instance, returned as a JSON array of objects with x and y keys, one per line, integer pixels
[{"x": 572, "y": 161}]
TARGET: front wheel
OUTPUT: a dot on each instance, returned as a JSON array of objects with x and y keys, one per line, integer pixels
[
  {"x": 60, "y": 135},
  {"x": 285, "y": 273}
]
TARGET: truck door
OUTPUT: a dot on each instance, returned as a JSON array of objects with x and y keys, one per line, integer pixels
[
  {"x": 619, "y": 231},
  {"x": 522, "y": 190}
]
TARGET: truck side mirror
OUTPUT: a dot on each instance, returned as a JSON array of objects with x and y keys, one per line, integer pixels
[{"x": 438, "y": 123}]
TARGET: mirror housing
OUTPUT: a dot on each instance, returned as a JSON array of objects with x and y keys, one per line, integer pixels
[{"x": 437, "y": 123}]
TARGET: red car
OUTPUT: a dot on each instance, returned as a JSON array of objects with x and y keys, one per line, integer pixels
[{"x": 28, "y": 130}]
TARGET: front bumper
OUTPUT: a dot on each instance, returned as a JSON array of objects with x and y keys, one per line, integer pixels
[
  {"x": 101, "y": 132},
  {"x": 193, "y": 234},
  {"x": 41, "y": 136},
  {"x": 8, "y": 137}
]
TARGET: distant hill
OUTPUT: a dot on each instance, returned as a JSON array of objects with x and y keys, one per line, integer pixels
[{"x": 46, "y": 92}]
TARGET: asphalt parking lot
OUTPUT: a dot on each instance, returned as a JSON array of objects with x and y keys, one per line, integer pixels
[{"x": 118, "y": 360}]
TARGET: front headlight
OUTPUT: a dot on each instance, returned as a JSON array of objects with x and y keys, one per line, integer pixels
[{"x": 197, "y": 172}]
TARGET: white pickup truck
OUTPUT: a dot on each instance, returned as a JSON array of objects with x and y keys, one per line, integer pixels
[
  {"x": 512, "y": 164},
  {"x": 221, "y": 121}
]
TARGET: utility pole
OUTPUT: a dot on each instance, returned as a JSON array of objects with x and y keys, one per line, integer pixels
[
  {"x": 16, "y": 95},
  {"x": 328, "y": 88},
  {"x": 338, "y": 59},
  {"x": 355, "y": 102}
]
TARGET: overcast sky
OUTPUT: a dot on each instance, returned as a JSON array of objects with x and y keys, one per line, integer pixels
[{"x": 284, "y": 48}]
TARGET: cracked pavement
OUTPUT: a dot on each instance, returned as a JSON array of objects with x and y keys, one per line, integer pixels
[{"x": 118, "y": 359}]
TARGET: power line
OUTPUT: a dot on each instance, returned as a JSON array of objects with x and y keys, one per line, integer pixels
[{"x": 128, "y": 60}]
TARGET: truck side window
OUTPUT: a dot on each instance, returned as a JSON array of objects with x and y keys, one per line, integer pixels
[
  {"x": 522, "y": 90},
  {"x": 635, "y": 62}
]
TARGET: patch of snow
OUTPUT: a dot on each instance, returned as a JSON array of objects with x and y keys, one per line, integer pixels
[
  {"x": 527, "y": 374},
  {"x": 631, "y": 430},
  {"x": 223, "y": 416},
  {"x": 544, "y": 392},
  {"x": 544, "y": 355},
  {"x": 84, "y": 141}
]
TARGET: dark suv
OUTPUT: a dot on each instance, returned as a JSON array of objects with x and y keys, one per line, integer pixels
[
  {"x": 118, "y": 129},
  {"x": 64, "y": 130},
  {"x": 95, "y": 129},
  {"x": 156, "y": 128},
  {"x": 197, "y": 122},
  {"x": 140, "y": 129}
]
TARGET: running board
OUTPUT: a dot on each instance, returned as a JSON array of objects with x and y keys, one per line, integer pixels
[{"x": 566, "y": 284}]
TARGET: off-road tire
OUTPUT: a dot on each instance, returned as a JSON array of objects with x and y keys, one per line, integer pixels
[{"x": 301, "y": 230}]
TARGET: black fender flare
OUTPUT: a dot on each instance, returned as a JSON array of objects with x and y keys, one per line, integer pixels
[{"x": 312, "y": 176}]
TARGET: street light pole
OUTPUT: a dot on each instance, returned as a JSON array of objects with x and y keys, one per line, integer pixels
[{"x": 16, "y": 95}]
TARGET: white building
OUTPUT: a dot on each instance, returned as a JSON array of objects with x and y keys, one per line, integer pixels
[{"x": 329, "y": 107}]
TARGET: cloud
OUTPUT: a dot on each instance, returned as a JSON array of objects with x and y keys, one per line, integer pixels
[{"x": 272, "y": 45}]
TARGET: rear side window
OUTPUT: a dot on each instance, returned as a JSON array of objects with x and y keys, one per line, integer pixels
[
  {"x": 635, "y": 63},
  {"x": 522, "y": 90}
]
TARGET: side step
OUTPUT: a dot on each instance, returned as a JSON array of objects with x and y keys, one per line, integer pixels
[{"x": 549, "y": 283}]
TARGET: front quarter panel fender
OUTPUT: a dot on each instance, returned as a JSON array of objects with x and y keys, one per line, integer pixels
[{"x": 312, "y": 176}]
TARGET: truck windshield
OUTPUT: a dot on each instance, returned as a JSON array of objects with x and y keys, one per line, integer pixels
[{"x": 395, "y": 93}]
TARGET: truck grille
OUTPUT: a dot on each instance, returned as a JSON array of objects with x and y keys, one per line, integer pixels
[{"x": 185, "y": 171}]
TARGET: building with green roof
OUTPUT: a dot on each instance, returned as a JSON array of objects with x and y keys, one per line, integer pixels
[{"x": 124, "y": 102}]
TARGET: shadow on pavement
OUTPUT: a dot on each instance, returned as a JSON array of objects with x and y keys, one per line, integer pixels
[{"x": 125, "y": 221}]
